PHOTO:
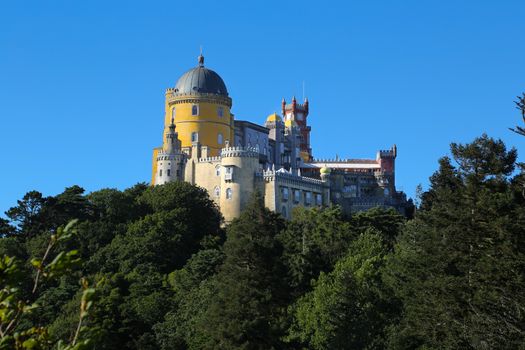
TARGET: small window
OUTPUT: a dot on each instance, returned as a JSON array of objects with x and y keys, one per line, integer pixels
[
  {"x": 217, "y": 191},
  {"x": 229, "y": 170},
  {"x": 195, "y": 110},
  {"x": 318, "y": 199},
  {"x": 218, "y": 170},
  {"x": 169, "y": 172},
  {"x": 220, "y": 112},
  {"x": 160, "y": 172},
  {"x": 285, "y": 193},
  {"x": 219, "y": 138},
  {"x": 296, "y": 196},
  {"x": 308, "y": 198},
  {"x": 194, "y": 136},
  {"x": 283, "y": 211},
  {"x": 229, "y": 193}
]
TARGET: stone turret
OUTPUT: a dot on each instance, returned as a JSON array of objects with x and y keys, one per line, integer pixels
[
  {"x": 170, "y": 160},
  {"x": 239, "y": 166}
]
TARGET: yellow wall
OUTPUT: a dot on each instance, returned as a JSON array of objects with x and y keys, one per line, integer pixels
[
  {"x": 208, "y": 124},
  {"x": 154, "y": 167}
]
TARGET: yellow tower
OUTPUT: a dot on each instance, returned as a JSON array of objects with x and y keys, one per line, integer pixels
[{"x": 200, "y": 106}]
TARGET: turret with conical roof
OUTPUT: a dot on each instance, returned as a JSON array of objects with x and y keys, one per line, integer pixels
[{"x": 170, "y": 161}]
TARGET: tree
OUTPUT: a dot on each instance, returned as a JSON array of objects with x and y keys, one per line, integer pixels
[
  {"x": 245, "y": 312},
  {"x": 15, "y": 307},
  {"x": 458, "y": 266},
  {"x": 27, "y": 214},
  {"x": 520, "y": 104},
  {"x": 6, "y": 230},
  {"x": 313, "y": 241},
  {"x": 350, "y": 307},
  {"x": 193, "y": 292}
]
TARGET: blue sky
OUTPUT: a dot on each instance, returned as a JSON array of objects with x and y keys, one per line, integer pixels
[{"x": 82, "y": 82}]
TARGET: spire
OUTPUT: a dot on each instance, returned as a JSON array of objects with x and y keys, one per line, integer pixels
[
  {"x": 172, "y": 125},
  {"x": 201, "y": 59}
]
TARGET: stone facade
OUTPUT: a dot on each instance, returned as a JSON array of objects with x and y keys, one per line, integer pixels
[{"x": 275, "y": 159}]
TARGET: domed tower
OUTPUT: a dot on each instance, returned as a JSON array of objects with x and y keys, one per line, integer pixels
[{"x": 200, "y": 107}]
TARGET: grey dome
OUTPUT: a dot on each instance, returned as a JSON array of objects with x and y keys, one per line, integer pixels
[{"x": 201, "y": 80}]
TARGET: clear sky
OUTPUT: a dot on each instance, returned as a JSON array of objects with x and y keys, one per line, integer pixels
[{"x": 82, "y": 82}]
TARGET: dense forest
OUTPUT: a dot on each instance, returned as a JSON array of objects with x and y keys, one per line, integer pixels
[{"x": 156, "y": 268}]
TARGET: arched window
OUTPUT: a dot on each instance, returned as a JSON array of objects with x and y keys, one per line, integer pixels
[
  {"x": 195, "y": 110},
  {"x": 219, "y": 138},
  {"x": 218, "y": 170},
  {"x": 220, "y": 112},
  {"x": 229, "y": 193},
  {"x": 194, "y": 136},
  {"x": 217, "y": 191},
  {"x": 160, "y": 172}
]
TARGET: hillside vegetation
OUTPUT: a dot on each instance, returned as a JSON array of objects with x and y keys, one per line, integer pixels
[{"x": 160, "y": 271}]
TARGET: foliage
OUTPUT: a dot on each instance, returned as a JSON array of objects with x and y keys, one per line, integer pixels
[
  {"x": 14, "y": 308},
  {"x": 520, "y": 104},
  {"x": 350, "y": 307},
  {"x": 174, "y": 276},
  {"x": 244, "y": 314},
  {"x": 458, "y": 267}
]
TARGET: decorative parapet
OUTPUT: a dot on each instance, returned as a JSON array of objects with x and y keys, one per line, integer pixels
[
  {"x": 209, "y": 160},
  {"x": 284, "y": 175},
  {"x": 240, "y": 151},
  {"x": 163, "y": 155},
  {"x": 391, "y": 153},
  {"x": 343, "y": 161},
  {"x": 173, "y": 96},
  {"x": 385, "y": 153}
]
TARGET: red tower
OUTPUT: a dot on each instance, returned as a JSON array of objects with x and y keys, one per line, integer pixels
[{"x": 299, "y": 114}]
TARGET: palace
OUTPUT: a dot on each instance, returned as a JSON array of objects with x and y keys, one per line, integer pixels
[{"x": 206, "y": 146}]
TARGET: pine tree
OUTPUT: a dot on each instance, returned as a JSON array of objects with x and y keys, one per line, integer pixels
[
  {"x": 459, "y": 265},
  {"x": 245, "y": 313}
]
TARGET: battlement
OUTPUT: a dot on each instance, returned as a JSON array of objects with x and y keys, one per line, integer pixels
[
  {"x": 163, "y": 155},
  {"x": 344, "y": 161},
  {"x": 209, "y": 160},
  {"x": 391, "y": 153},
  {"x": 271, "y": 174},
  {"x": 239, "y": 151},
  {"x": 298, "y": 106},
  {"x": 385, "y": 154}
]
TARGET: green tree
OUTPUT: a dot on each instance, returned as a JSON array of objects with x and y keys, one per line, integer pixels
[
  {"x": 520, "y": 104},
  {"x": 193, "y": 292},
  {"x": 313, "y": 241},
  {"x": 6, "y": 229},
  {"x": 458, "y": 266},
  {"x": 350, "y": 307},
  {"x": 245, "y": 312},
  {"x": 27, "y": 215},
  {"x": 16, "y": 306}
]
